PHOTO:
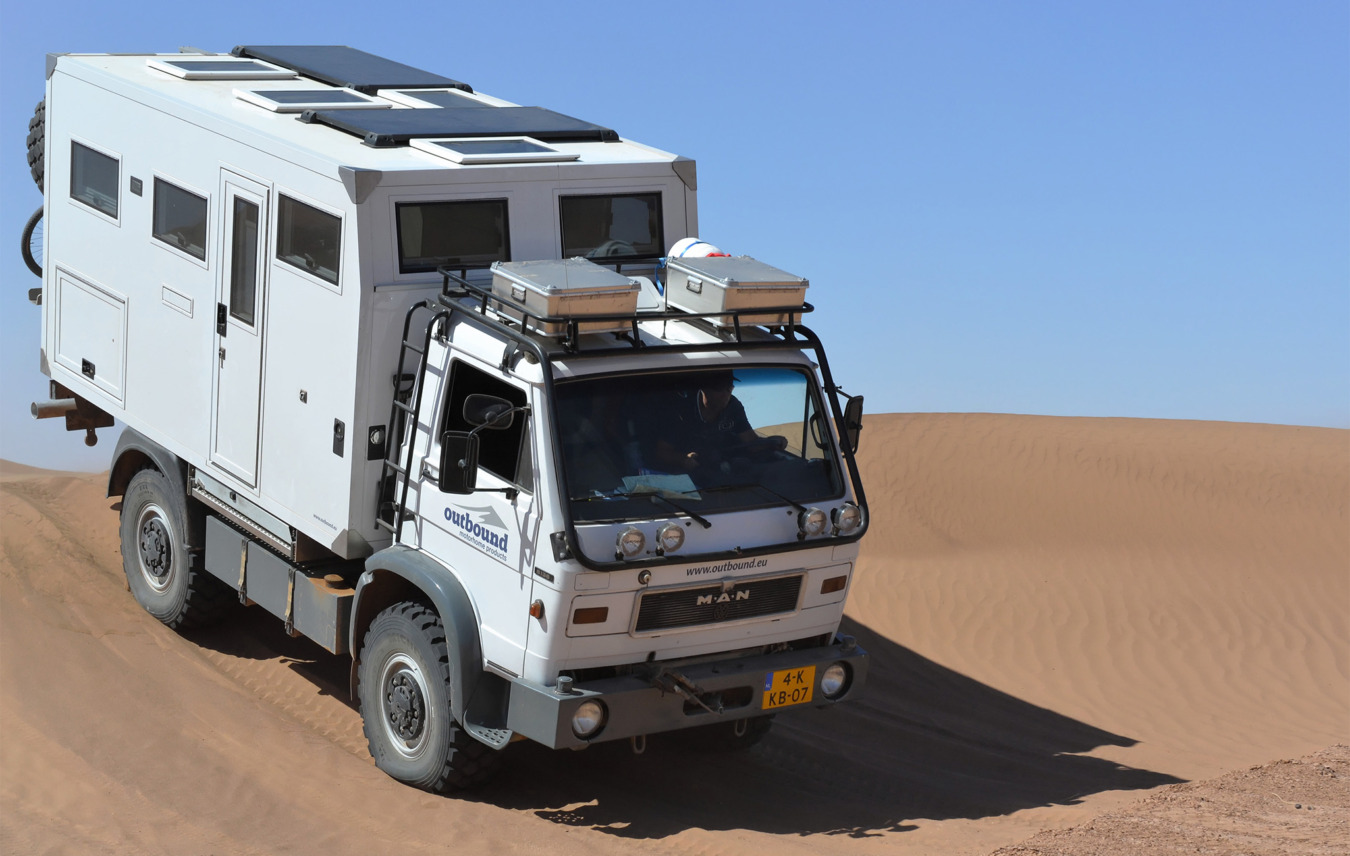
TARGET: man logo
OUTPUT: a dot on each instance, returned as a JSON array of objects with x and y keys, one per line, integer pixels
[{"x": 724, "y": 597}]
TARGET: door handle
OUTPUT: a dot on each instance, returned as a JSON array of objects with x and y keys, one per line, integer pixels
[
  {"x": 222, "y": 357},
  {"x": 221, "y": 313}
]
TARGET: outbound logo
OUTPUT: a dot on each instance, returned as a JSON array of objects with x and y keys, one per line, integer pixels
[{"x": 481, "y": 527}]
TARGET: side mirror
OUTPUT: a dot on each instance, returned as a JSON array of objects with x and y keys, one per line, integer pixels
[
  {"x": 459, "y": 462},
  {"x": 853, "y": 422},
  {"x": 818, "y": 431},
  {"x": 488, "y": 411}
]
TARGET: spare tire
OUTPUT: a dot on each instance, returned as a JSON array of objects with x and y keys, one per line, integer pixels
[{"x": 37, "y": 132}]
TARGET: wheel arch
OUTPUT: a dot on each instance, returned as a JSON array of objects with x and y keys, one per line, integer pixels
[
  {"x": 400, "y": 573},
  {"x": 133, "y": 453}
]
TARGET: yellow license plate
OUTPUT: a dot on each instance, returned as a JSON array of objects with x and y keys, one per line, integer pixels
[{"x": 788, "y": 687}]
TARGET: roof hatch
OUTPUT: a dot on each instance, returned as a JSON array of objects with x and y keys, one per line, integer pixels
[
  {"x": 218, "y": 68},
  {"x": 300, "y": 100},
  {"x": 493, "y": 150}
]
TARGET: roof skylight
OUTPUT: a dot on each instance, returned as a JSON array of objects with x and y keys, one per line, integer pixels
[{"x": 219, "y": 68}]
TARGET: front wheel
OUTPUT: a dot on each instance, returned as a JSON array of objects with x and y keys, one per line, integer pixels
[{"x": 404, "y": 690}]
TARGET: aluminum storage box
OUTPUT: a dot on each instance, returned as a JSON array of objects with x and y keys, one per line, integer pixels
[
  {"x": 722, "y": 283},
  {"x": 567, "y": 288}
]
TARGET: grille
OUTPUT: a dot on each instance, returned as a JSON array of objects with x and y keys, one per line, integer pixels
[{"x": 661, "y": 610}]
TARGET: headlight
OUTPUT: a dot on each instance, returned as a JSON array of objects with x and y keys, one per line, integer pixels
[
  {"x": 631, "y": 541},
  {"x": 834, "y": 681},
  {"x": 670, "y": 538},
  {"x": 588, "y": 719},
  {"x": 846, "y": 518},
  {"x": 811, "y": 522}
]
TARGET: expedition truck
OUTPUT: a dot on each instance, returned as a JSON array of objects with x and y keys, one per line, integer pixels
[{"x": 417, "y": 370}]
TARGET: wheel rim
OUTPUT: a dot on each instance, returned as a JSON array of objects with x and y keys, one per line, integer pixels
[
  {"x": 403, "y": 705},
  {"x": 154, "y": 538}
]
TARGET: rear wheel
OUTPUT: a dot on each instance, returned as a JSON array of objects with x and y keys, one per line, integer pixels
[
  {"x": 404, "y": 690},
  {"x": 166, "y": 577}
]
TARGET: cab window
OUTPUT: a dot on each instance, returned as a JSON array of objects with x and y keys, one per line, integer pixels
[{"x": 503, "y": 452}]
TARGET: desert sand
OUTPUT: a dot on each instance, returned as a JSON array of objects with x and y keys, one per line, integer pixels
[{"x": 1088, "y": 635}]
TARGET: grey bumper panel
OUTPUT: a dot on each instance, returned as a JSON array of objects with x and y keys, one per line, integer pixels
[{"x": 641, "y": 704}]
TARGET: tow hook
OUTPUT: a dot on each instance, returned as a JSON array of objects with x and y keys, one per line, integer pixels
[
  {"x": 673, "y": 682},
  {"x": 639, "y": 743}
]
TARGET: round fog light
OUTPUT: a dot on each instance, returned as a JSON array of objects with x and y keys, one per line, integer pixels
[
  {"x": 846, "y": 518},
  {"x": 631, "y": 541},
  {"x": 671, "y": 537},
  {"x": 834, "y": 681},
  {"x": 811, "y": 522},
  {"x": 588, "y": 719}
]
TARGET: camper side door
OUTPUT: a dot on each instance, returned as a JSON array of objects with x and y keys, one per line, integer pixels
[{"x": 237, "y": 374}]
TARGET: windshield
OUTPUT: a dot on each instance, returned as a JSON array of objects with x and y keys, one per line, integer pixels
[{"x": 660, "y": 445}]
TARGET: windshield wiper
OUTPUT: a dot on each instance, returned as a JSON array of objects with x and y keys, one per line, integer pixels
[
  {"x": 697, "y": 518},
  {"x": 726, "y": 487}
]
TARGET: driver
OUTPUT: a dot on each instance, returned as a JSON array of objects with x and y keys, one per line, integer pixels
[{"x": 707, "y": 428}]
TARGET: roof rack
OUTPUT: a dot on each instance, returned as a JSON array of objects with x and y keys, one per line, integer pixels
[{"x": 455, "y": 288}]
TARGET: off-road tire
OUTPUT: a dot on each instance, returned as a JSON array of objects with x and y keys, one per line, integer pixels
[
  {"x": 37, "y": 132},
  {"x": 26, "y": 243},
  {"x": 720, "y": 737},
  {"x": 403, "y": 683},
  {"x": 159, "y": 527}
]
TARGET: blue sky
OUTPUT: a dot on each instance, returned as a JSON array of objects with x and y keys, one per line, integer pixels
[{"x": 1068, "y": 208}]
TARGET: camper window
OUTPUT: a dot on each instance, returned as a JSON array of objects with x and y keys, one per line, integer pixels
[
  {"x": 308, "y": 238},
  {"x": 180, "y": 219},
  {"x": 502, "y": 452},
  {"x": 464, "y": 233},
  {"x": 93, "y": 178},
  {"x": 612, "y": 227},
  {"x": 244, "y": 260}
]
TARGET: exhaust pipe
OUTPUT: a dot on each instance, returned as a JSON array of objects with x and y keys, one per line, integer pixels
[{"x": 52, "y": 408}]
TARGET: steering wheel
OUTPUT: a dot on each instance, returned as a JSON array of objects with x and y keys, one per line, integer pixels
[{"x": 612, "y": 248}]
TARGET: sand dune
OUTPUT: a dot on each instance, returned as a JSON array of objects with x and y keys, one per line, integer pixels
[{"x": 1066, "y": 616}]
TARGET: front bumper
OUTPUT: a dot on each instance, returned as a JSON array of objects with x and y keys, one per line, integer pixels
[{"x": 640, "y": 704}]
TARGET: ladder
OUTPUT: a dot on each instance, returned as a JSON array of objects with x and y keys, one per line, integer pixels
[{"x": 406, "y": 404}]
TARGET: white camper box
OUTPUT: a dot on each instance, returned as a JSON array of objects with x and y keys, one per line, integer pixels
[{"x": 230, "y": 280}]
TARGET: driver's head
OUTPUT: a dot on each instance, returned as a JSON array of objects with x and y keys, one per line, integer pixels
[{"x": 715, "y": 390}]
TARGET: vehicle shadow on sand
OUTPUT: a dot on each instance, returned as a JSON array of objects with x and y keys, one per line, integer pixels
[
  {"x": 256, "y": 634},
  {"x": 923, "y": 743}
]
